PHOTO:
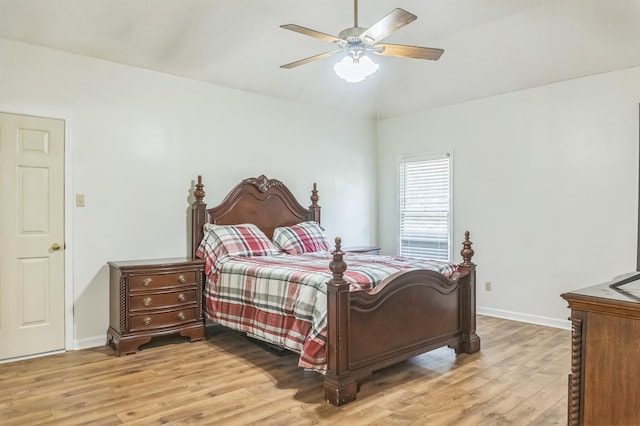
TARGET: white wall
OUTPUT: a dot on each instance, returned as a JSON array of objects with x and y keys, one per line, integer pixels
[
  {"x": 546, "y": 181},
  {"x": 140, "y": 138}
]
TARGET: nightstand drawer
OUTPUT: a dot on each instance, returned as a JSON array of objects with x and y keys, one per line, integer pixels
[
  {"x": 141, "y": 302},
  {"x": 362, "y": 250},
  {"x": 160, "y": 320},
  {"x": 155, "y": 281}
]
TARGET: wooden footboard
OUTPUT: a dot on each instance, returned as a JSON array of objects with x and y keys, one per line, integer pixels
[{"x": 406, "y": 315}]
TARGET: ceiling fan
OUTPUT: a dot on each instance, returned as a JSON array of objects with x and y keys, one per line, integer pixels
[{"x": 357, "y": 41}]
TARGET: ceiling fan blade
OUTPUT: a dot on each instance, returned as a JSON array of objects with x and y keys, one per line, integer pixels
[
  {"x": 395, "y": 20},
  {"x": 415, "y": 52},
  {"x": 309, "y": 59},
  {"x": 311, "y": 33}
]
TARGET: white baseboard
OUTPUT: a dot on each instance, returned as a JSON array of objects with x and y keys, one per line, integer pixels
[
  {"x": 93, "y": 342},
  {"x": 532, "y": 319},
  {"x": 22, "y": 358},
  {"x": 90, "y": 342}
]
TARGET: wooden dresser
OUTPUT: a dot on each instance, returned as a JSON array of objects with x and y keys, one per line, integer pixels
[
  {"x": 154, "y": 297},
  {"x": 604, "y": 384}
]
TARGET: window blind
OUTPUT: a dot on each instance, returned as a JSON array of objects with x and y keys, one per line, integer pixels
[{"x": 425, "y": 207}]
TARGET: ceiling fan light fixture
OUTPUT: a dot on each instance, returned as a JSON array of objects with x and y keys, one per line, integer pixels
[
  {"x": 354, "y": 70},
  {"x": 354, "y": 42}
]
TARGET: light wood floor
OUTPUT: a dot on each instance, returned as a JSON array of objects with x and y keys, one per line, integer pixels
[{"x": 518, "y": 378}]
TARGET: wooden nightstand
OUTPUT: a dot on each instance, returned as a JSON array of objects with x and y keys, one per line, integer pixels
[
  {"x": 362, "y": 250},
  {"x": 154, "y": 297}
]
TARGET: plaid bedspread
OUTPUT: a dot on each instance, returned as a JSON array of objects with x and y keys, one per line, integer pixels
[{"x": 282, "y": 299}]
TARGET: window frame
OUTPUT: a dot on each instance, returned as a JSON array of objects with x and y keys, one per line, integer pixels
[{"x": 425, "y": 157}]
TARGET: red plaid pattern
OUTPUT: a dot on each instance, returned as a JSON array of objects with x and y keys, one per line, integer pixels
[
  {"x": 305, "y": 237},
  {"x": 282, "y": 299},
  {"x": 221, "y": 241}
]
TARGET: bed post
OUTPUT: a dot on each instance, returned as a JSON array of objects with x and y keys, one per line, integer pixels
[
  {"x": 314, "y": 208},
  {"x": 470, "y": 342},
  {"x": 340, "y": 386},
  {"x": 198, "y": 216}
]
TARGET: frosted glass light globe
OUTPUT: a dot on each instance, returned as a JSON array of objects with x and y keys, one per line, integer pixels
[{"x": 355, "y": 70}]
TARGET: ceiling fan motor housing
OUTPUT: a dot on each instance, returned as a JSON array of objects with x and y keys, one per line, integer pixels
[
  {"x": 352, "y": 33},
  {"x": 353, "y": 43}
]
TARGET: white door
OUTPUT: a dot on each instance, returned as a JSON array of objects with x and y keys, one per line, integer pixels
[{"x": 32, "y": 310}]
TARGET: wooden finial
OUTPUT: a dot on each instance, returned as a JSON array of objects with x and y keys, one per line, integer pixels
[
  {"x": 314, "y": 208},
  {"x": 338, "y": 244},
  {"x": 314, "y": 195},
  {"x": 467, "y": 251},
  {"x": 338, "y": 265},
  {"x": 199, "y": 192}
]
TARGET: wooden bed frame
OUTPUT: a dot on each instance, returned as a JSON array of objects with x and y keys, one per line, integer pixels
[{"x": 409, "y": 313}]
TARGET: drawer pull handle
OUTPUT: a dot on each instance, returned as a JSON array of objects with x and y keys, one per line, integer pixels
[
  {"x": 146, "y": 321},
  {"x": 147, "y": 282},
  {"x": 181, "y": 316},
  {"x": 182, "y": 279},
  {"x": 146, "y": 301},
  {"x": 182, "y": 297}
]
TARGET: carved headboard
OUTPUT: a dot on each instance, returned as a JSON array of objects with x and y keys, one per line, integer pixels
[{"x": 267, "y": 203}]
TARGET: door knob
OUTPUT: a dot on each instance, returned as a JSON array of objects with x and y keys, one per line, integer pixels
[{"x": 55, "y": 247}]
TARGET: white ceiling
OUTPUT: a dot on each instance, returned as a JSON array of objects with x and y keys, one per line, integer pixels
[{"x": 491, "y": 46}]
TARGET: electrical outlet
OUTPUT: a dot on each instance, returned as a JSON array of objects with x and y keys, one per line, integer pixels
[
  {"x": 79, "y": 200},
  {"x": 487, "y": 286}
]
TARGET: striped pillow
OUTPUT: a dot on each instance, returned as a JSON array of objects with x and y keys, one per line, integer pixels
[{"x": 305, "y": 237}]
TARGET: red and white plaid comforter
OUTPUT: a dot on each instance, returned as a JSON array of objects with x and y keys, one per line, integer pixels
[{"x": 282, "y": 299}]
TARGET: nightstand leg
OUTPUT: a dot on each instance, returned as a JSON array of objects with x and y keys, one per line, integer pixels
[{"x": 194, "y": 334}]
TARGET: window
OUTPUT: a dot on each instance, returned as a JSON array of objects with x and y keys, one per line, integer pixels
[{"x": 425, "y": 207}]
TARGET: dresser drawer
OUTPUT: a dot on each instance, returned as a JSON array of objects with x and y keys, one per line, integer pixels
[
  {"x": 164, "y": 319},
  {"x": 156, "y": 281},
  {"x": 146, "y": 301}
]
